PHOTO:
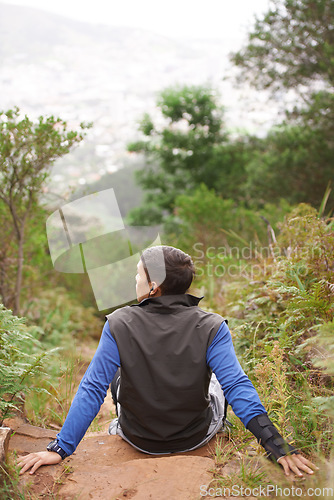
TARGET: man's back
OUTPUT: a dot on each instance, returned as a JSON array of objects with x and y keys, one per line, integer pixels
[{"x": 164, "y": 375}]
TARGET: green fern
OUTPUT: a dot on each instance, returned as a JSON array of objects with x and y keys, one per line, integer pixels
[{"x": 21, "y": 358}]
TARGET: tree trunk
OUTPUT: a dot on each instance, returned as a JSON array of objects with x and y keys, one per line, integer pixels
[{"x": 18, "y": 285}]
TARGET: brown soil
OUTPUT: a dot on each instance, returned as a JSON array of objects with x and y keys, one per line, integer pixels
[{"x": 106, "y": 467}]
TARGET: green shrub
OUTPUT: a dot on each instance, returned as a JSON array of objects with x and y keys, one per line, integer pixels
[{"x": 219, "y": 221}]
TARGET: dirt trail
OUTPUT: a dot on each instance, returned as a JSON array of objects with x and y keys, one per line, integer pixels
[{"x": 107, "y": 468}]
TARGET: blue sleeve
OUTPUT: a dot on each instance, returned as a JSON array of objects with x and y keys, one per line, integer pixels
[
  {"x": 91, "y": 392},
  {"x": 238, "y": 389}
]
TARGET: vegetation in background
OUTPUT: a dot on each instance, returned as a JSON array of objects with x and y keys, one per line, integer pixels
[
  {"x": 183, "y": 152},
  {"x": 213, "y": 220},
  {"x": 294, "y": 162},
  {"x": 27, "y": 150},
  {"x": 291, "y": 46}
]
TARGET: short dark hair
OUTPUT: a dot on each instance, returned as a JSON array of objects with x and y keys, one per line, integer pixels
[{"x": 179, "y": 267}]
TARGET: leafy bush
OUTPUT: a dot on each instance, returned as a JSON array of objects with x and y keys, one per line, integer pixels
[
  {"x": 223, "y": 237},
  {"x": 218, "y": 221}
]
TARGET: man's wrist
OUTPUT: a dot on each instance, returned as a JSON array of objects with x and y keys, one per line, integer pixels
[
  {"x": 54, "y": 446},
  {"x": 269, "y": 437}
]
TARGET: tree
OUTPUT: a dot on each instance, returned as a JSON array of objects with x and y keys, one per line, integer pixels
[
  {"x": 295, "y": 160},
  {"x": 27, "y": 150},
  {"x": 291, "y": 46},
  {"x": 182, "y": 153}
]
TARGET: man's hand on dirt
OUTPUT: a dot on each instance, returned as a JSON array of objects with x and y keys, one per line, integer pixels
[
  {"x": 297, "y": 464},
  {"x": 35, "y": 460}
]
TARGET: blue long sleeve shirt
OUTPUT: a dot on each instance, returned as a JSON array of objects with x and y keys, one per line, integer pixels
[{"x": 221, "y": 358}]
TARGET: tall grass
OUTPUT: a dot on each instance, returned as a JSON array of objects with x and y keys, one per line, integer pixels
[{"x": 60, "y": 321}]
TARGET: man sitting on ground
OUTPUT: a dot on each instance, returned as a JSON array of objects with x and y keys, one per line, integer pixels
[{"x": 172, "y": 368}]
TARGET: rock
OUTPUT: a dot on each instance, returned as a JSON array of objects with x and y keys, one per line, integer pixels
[
  {"x": 105, "y": 467},
  {"x": 5, "y": 433},
  {"x": 28, "y": 439},
  {"x": 171, "y": 477},
  {"x": 14, "y": 422},
  {"x": 35, "y": 432}
]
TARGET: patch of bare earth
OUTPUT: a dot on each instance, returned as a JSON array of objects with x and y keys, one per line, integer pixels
[{"x": 106, "y": 467}]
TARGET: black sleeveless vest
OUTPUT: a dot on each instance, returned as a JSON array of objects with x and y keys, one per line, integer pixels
[{"x": 162, "y": 344}]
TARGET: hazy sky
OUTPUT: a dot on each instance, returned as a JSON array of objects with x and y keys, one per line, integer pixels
[{"x": 173, "y": 18}]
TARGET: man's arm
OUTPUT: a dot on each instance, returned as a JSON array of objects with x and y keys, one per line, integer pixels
[
  {"x": 238, "y": 389},
  {"x": 242, "y": 396},
  {"x": 86, "y": 403}
]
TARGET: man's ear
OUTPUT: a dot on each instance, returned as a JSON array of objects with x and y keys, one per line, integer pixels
[{"x": 154, "y": 289}]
